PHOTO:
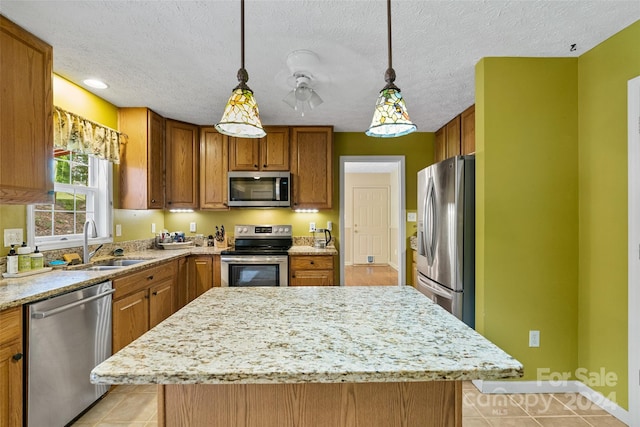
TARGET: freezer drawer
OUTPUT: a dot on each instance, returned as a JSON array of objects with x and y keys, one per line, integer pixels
[{"x": 446, "y": 298}]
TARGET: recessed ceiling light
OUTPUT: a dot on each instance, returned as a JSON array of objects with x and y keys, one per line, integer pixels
[{"x": 96, "y": 84}]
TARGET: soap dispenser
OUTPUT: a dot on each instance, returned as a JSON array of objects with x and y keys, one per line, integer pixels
[{"x": 12, "y": 261}]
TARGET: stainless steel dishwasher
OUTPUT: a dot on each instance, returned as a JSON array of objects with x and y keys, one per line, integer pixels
[{"x": 67, "y": 336}]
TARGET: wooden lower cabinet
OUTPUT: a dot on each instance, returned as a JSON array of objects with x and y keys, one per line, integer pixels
[
  {"x": 181, "y": 293},
  {"x": 141, "y": 301},
  {"x": 204, "y": 273},
  {"x": 11, "y": 363},
  {"x": 130, "y": 318},
  {"x": 311, "y": 270}
]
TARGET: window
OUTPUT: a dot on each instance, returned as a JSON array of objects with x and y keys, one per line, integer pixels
[{"x": 83, "y": 191}]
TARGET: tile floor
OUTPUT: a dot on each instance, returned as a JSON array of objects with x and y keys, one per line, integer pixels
[{"x": 136, "y": 406}]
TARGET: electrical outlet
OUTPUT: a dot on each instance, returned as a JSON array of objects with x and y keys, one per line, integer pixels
[
  {"x": 329, "y": 225},
  {"x": 192, "y": 227},
  {"x": 312, "y": 227},
  {"x": 411, "y": 217},
  {"x": 534, "y": 338},
  {"x": 13, "y": 236},
  {"x": 118, "y": 230},
  {"x": 153, "y": 227}
]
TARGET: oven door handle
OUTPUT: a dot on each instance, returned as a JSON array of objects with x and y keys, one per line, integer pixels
[{"x": 250, "y": 260}]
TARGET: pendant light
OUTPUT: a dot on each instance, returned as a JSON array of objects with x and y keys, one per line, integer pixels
[
  {"x": 241, "y": 117},
  {"x": 390, "y": 118}
]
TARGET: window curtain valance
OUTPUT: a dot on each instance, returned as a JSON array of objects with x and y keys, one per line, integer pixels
[{"x": 74, "y": 133}]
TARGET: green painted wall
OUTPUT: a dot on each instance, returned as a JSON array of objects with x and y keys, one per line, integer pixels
[
  {"x": 602, "y": 307},
  {"x": 527, "y": 207}
]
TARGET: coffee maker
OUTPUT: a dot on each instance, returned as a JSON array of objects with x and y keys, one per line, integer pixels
[{"x": 321, "y": 238}]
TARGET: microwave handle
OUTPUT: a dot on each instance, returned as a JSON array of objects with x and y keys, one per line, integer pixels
[{"x": 278, "y": 189}]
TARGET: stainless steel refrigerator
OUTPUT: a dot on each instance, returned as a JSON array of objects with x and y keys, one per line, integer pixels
[{"x": 446, "y": 235}]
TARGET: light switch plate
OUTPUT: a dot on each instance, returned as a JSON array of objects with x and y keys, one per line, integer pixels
[
  {"x": 192, "y": 227},
  {"x": 153, "y": 227},
  {"x": 118, "y": 230},
  {"x": 13, "y": 236},
  {"x": 411, "y": 217}
]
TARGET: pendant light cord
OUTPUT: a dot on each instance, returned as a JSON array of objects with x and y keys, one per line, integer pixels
[
  {"x": 390, "y": 74},
  {"x": 388, "y": 32},
  {"x": 242, "y": 34}
]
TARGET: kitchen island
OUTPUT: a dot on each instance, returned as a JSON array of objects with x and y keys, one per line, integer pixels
[{"x": 309, "y": 356}]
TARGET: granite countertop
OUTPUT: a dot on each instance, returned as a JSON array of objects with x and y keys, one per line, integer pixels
[
  {"x": 19, "y": 291},
  {"x": 310, "y": 250},
  {"x": 308, "y": 334}
]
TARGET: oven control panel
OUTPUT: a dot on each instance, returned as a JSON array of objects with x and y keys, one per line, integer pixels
[{"x": 284, "y": 230}]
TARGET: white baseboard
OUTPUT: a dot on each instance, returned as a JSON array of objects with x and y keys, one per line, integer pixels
[{"x": 516, "y": 387}]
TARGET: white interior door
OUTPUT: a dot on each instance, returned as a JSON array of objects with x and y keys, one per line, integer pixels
[
  {"x": 370, "y": 225},
  {"x": 634, "y": 250}
]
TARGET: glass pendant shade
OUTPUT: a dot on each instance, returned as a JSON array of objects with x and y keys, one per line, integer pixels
[
  {"x": 241, "y": 117},
  {"x": 390, "y": 118}
]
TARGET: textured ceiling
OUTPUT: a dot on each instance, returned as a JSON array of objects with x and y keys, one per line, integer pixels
[{"x": 180, "y": 58}]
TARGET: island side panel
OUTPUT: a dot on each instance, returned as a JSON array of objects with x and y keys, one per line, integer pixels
[{"x": 407, "y": 404}]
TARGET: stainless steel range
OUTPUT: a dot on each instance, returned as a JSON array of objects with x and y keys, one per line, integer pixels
[{"x": 259, "y": 257}]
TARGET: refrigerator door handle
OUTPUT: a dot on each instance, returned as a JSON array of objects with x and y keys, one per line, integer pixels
[
  {"x": 430, "y": 221},
  {"x": 422, "y": 234}
]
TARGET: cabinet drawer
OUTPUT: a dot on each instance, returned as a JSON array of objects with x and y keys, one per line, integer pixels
[
  {"x": 311, "y": 262},
  {"x": 11, "y": 321},
  {"x": 143, "y": 279}
]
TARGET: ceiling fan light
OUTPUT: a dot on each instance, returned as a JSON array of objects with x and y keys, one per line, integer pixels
[
  {"x": 315, "y": 100},
  {"x": 290, "y": 99},
  {"x": 390, "y": 118},
  {"x": 303, "y": 93},
  {"x": 241, "y": 117}
]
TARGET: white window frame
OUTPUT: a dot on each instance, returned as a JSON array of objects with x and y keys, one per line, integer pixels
[{"x": 101, "y": 188}]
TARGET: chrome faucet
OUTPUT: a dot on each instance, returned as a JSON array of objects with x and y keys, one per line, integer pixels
[{"x": 86, "y": 255}]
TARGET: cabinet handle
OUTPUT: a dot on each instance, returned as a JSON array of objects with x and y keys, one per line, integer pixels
[
  {"x": 17, "y": 356},
  {"x": 153, "y": 200},
  {"x": 255, "y": 166},
  {"x": 168, "y": 203},
  {"x": 150, "y": 277},
  {"x": 155, "y": 293},
  {"x": 264, "y": 166},
  {"x": 311, "y": 262}
]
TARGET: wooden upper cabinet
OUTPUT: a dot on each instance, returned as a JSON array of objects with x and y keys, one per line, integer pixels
[
  {"x": 468, "y": 129},
  {"x": 182, "y": 164},
  {"x": 312, "y": 167},
  {"x": 453, "y": 137},
  {"x": 26, "y": 120},
  {"x": 214, "y": 165},
  {"x": 270, "y": 153},
  {"x": 141, "y": 159},
  {"x": 440, "y": 147}
]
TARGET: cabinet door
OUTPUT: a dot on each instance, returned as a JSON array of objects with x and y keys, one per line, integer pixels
[
  {"x": 440, "y": 147},
  {"x": 244, "y": 154},
  {"x": 312, "y": 167},
  {"x": 130, "y": 318},
  {"x": 182, "y": 284},
  {"x": 161, "y": 298},
  {"x": 26, "y": 121},
  {"x": 214, "y": 165},
  {"x": 468, "y": 129},
  {"x": 182, "y": 164},
  {"x": 11, "y": 384},
  {"x": 312, "y": 278},
  {"x": 453, "y": 137},
  {"x": 274, "y": 149},
  {"x": 200, "y": 275},
  {"x": 141, "y": 159}
]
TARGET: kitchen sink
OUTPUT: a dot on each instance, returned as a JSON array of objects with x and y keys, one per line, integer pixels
[
  {"x": 109, "y": 264},
  {"x": 119, "y": 262},
  {"x": 103, "y": 267}
]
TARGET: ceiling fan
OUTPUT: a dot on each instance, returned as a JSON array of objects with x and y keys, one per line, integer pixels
[{"x": 303, "y": 96}]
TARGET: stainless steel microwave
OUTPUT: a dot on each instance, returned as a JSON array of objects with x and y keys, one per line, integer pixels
[{"x": 259, "y": 189}]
